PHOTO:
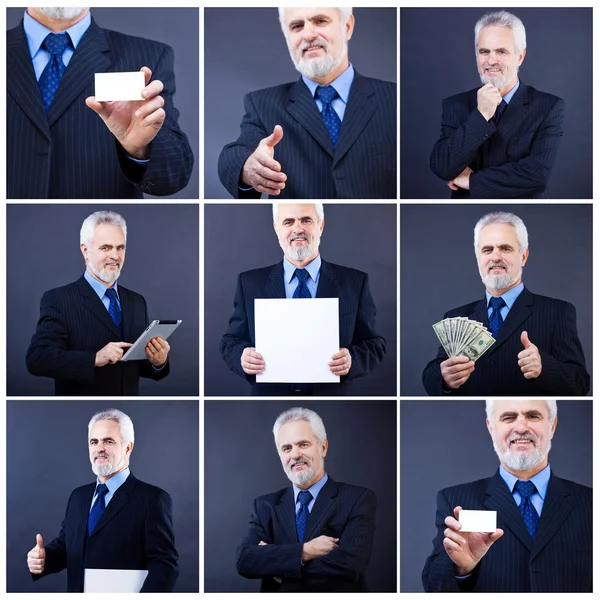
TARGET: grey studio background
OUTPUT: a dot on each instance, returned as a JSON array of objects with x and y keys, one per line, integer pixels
[
  {"x": 240, "y": 237},
  {"x": 161, "y": 264},
  {"x": 47, "y": 459},
  {"x": 177, "y": 27},
  {"x": 438, "y": 60},
  {"x": 362, "y": 451},
  {"x": 459, "y": 449},
  {"x": 245, "y": 50},
  {"x": 439, "y": 270}
]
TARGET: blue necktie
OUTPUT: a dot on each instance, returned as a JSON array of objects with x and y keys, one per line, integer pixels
[
  {"x": 530, "y": 515},
  {"x": 496, "y": 319},
  {"x": 499, "y": 110},
  {"x": 55, "y": 43},
  {"x": 302, "y": 290},
  {"x": 98, "y": 508},
  {"x": 326, "y": 94},
  {"x": 114, "y": 310},
  {"x": 304, "y": 497}
]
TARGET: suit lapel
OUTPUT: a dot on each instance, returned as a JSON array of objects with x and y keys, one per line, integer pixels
[
  {"x": 126, "y": 313},
  {"x": 116, "y": 505},
  {"x": 359, "y": 111},
  {"x": 92, "y": 55},
  {"x": 328, "y": 286},
  {"x": 500, "y": 499},
  {"x": 323, "y": 505},
  {"x": 92, "y": 303},
  {"x": 285, "y": 513},
  {"x": 515, "y": 112},
  {"x": 273, "y": 286},
  {"x": 20, "y": 79},
  {"x": 83, "y": 509},
  {"x": 480, "y": 313},
  {"x": 557, "y": 507},
  {"x": 520, "y": 310},
  {"x": 303, "y": 108}
]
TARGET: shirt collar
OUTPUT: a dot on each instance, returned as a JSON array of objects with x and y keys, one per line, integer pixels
[
  {"x": 115, "y": 482},
  {"x": 540, "y": 480},
  {"x": 36, "y": 32},
  {"x": 508, "y": 297},
  {"x": 313, "y": 268},
  {"x": 341, "y": 84},
  {"x": 512, "y": 92},
  {"x": 313, "y": 489},
  {"x": 98, "y": 287}
]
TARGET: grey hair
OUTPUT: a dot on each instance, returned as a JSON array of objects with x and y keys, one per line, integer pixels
[
  {"x": 552, "y": 408},
  {"x": 318, "y": 207},
  {"x": 301, "y": 414},
  {"x": 113, "y": 414},
  {"x": 345, "y": 12},
  {"x": 504, "y": 19},
  {"x": 101, "y": 217},
  {"x": 508, "y": 219}
]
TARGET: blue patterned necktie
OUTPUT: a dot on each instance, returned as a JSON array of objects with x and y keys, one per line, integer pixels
[
  {"x": 304, "y": 497},
  {"x": 302, "y": 290},
  {"x": 496, "y": 319},
  {"x": 499, "y": 110},
  {"x": 528, "y": 512},
  {"x": 55, "y": 43},
  {"x": 98, "y": 508},
  {"x": 114, "y": 310},
  {"x": 326, "y": 94}
]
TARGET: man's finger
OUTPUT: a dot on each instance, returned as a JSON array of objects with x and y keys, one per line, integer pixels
[
  {"x": 154, "y": 88},
  {"x": 265, "y": 168},
  {"x": 275, "y": 137},
  {"x": 101, "y": 108},
  {"x": 123, "y": 344},
  {"x": 39, "y": 540},
  {"x": 452, "y": 185},
  {"x": 147, "y": 75},
  {"x": 149, "y": 107}
]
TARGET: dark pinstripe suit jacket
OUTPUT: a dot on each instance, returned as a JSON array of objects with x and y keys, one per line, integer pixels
[
  {"x": 341, "y": 510},
  {"x": 558, "y": 560},
  {"x": 551, "y": 326},
  {"x": 358, "y": 331},
  {"x": 513, "y": 160},
  {"x": 73, "y": 326},
  {"x": 134, "y": 532},
  {"x": 363, "y": 164},
  {"x": 69, "y": 152}
]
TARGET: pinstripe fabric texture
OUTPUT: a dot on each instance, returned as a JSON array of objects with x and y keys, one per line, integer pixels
[
  {"x": 70, "y": 153},
  {"x": 551, "y": 326},
  {"x": 513, "y": 160},
  {"x": 362, "y": 165},
  {"x": 341, "y": 510},
  {"x": 358, "y": 331},
  {"x": 73, "y": 326},
  {"x": 558, "y": 560},
  {"x": 134, "y": 532}
]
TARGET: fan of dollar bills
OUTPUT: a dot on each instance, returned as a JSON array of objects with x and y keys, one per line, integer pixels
[{"x": 461, "y": 336}]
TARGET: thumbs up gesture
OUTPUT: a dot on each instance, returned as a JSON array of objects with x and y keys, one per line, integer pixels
[
  {"x": 261, "y": 171},
  {"x": 36, "y": 557},
  {"x": 530, "y": 360}
]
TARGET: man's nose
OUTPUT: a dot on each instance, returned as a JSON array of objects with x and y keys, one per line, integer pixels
[
  {"x": 492, "y": 58},
  {"x": 309, "y": 33}
]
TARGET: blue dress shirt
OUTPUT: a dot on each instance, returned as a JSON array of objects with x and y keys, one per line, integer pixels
[
  {"x": 341, "y": 84},
  {"x": 512, "y": 92},
  {"x": 508, "y": 297},
  {"x": 540, "y": 480},
  {"x": 36, "y": 33},
  {"x": 313, "y": 489},
  {"x": 100, "y": 289},
  {"x": 291, "y": 281},
  {"x": 113, "y": 484}
]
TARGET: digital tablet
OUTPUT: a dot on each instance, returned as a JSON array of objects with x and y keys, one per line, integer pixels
[{"x": 161, "y": 329}]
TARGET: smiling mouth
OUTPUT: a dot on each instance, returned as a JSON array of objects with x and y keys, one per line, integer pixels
[{"x": 299, "y": 465}]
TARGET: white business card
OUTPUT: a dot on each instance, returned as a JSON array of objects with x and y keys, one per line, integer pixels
[
  {"x": 483, "y": 521},
  {"x": 113, "y": 87}
]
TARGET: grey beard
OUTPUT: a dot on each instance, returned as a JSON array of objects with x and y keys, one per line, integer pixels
[
  {"x": 522, "y": 461},
  {"x": 317, "y": 68},
  {"x": 106, "y": 469},
  {"x": 498, "y": 282},
  {"x": 498, "y": 82},
  {"x": 61, "y": 14},
  {"x": 104, "y": 275},
  {"x": 299, "y": 253},
  {"x": 301, "y": 477}
]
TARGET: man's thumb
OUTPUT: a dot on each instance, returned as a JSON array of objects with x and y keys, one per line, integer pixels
[
  {"x": 39, "y": 540},
  {"x": 275, "y": 137},
  {"x": 525, "y": 340}
]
